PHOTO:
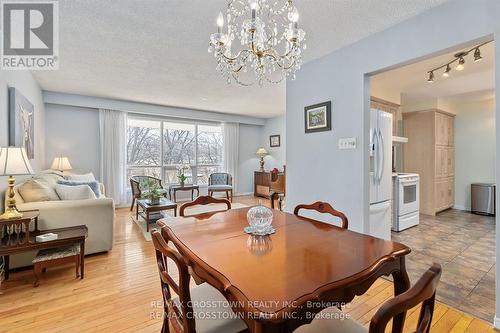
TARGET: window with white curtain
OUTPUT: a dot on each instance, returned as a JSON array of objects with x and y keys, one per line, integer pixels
[{"x": 158, "y": 148}]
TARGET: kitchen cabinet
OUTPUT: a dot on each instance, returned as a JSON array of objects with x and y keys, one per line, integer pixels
[{"x": 430, "y": 152}]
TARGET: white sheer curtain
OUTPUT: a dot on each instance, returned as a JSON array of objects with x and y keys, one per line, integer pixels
[
  {"x": 231, "y": 151},
  {"x": 113, "y": 136}
]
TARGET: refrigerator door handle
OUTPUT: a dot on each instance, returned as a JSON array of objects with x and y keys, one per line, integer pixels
[
  {"x": 374, "y": 153},
  {"x": 382, "y": 155}
]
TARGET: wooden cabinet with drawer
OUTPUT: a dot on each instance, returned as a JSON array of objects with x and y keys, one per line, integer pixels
[{"x": 262, "y": 184}]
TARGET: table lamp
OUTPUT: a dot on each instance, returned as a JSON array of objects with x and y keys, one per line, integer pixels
[
  {"x": 61, "y": 163},
  {"x": 13, "y": 162},
  {"x": 261, "y": 153}
]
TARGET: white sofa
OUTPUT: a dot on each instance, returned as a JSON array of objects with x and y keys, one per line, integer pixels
[{"x": 97, "y": 214}]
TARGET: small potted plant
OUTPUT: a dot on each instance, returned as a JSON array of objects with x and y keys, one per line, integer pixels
[
  {"x": 181, "y": 174},
  {"x": 152, "y": 191}
]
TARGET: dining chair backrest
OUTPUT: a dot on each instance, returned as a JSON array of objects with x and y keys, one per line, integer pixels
[
  {"x": 325, "y": 208},
  {"x": 204, "y": 200},
  {"x": 181, "y": 317},
  {"x": 423, "y": 292},
  {"x": 220, "y": 178}
]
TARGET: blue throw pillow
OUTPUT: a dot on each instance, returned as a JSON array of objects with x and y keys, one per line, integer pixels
[{"x": 94, "y": 185}]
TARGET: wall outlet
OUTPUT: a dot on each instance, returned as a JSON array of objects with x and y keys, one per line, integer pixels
[{"x": 347, "y": 143}]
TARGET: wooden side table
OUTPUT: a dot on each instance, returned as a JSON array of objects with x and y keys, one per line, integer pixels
[
  {"x": 14, "y": 239},
  {"x": 152, "y": 213},
  {"x": 186, "y": 187}
]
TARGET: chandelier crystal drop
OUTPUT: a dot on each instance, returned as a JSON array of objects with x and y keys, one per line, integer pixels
[{"x": 258, "y": 41}]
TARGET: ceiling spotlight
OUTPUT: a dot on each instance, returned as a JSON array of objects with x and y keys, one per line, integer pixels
[
  {"x": 460, "y": 66},
  {"x": 477, "y": 55},
  {"x": 431, "y": 77},
  {"x": 447, "y": 71}
]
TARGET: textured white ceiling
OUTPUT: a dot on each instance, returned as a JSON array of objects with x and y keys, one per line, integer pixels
[{"x": 155, "y": 51}]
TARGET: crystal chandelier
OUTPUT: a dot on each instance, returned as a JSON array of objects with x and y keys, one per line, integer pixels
[{"x": 261, "y": 42}]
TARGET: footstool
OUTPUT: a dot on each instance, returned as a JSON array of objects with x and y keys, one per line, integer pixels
[{"x": 54, "y": 257}]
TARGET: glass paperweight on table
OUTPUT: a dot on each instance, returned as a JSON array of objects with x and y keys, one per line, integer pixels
[{"x": 259, "y": 220}]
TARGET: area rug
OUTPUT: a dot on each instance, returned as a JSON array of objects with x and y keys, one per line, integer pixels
[{"x": 141, "y": 223}]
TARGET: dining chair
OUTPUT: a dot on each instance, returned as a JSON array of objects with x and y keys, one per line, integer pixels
[
  {"x": 220, "y": 182},
  {"x": 137, "y": 191},
  {"x": 423, "y": 292},
  {"x": 188, "y": 312},
  {"x": 325, "y": 208},
  {"x": 204, "y": 200}
]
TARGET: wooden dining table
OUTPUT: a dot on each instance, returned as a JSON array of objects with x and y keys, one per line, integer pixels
[{"x": 279, "y": 282}]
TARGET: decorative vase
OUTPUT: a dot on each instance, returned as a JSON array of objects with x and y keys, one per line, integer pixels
[
  {"x": 154, "y": 201},
  {"x": 182, "y": 182}
]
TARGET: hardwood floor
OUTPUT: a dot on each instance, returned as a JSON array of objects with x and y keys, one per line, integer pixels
[{"x": 121, "y": 293}]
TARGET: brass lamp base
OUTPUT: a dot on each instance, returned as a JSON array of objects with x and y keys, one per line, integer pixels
[
  {"x": 261, "y": 164},
  {"x": 10, "y": 211}
]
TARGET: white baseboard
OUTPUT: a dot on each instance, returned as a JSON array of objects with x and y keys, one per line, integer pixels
[
  {"x": 496, "y": 322},
  {"x": 459, "y": 207}
]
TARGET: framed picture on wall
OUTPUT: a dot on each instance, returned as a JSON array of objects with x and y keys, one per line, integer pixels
[
  {"x": 318, "y": 117},
  {"x": 21, "y": 122},
  {"x": 275, "y": 141}
]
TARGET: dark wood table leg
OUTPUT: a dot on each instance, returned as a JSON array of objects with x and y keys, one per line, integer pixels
[
  {"x": 137, "y": 211},
  {"x": 175, "y": 211},
  {"x": 147, "y": 220},
  {"x": 401, "y": 284},
  {"x": 192, "y": 194},
  {"x": 197, "y": 192},
  {"x": 82, "y": 259},
  {"x": 6, "y": 265}
]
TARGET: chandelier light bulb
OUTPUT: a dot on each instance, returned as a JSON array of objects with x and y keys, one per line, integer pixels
[
  {"x": 220, "y": 20},
  {"x": 460, "y": 66},
  {"x": 254, "y": 5},
  {"x": 294, "y": 17}
]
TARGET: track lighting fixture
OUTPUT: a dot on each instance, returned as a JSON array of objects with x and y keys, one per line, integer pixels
[
  {"x": 431, "y": 77},
  {"x": 446, "y": 73},
  {"x": 461, "y": 63},
  {"x": 458, "y": 58},
  {"x": 477, "y": 55}
]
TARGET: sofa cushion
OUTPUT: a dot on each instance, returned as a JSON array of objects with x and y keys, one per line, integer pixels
[
  {"x": 34, "y": 190},
  {"x": 87, "y": 177},
  {"x": 219, "y": 187},
  {"x": 49, "y": 177},
  {"x": 94, "y": 185},
  {"x": 77, "y": 192}
]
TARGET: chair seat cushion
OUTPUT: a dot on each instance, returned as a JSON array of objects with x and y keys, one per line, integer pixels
[
  {"x": 219, "y": 187},
  {"x": 57, "y": 253},
  {"x": 212, "y": 312},
  {"x": 332, "y": 320}
]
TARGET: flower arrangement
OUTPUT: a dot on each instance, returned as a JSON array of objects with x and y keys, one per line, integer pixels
[
  {"x": 152, "y": 191},
  {"x": 181, "y": 173}
]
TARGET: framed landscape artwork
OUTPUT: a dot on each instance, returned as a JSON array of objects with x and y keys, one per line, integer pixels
[
  {"x": 21, "y": 122},
  {"x": 318, "y": 117},
  {"x": 274, "y": 141}
]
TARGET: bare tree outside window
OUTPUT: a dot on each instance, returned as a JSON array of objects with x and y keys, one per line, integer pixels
[{"x": 199, "y": 146}]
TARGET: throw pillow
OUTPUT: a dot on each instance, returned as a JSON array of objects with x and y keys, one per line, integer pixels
[
  {"x": 35, "y": 191},
  {"x": 94, "y": 185},
  {"x": 78, "y": 192},
  {"x": 88, "y": 177}
]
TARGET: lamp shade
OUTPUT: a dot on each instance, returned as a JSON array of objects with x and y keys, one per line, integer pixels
[
  {"x": 14, "y": 161},
  {"x": 261, "y": 152},
  {"x": 61, "y": 163}
]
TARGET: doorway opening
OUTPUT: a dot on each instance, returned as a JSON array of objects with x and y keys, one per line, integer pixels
[{"x": 442, "y": 172}]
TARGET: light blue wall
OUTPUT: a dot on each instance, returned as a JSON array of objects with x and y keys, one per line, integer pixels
[
  {"x": 316, "y": 168},
  {"x": 276, "y": 157},
  {"x": 24, "y": 81}
]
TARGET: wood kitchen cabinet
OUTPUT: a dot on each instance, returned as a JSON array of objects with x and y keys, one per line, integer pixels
[{"x": 430, "y": 152}]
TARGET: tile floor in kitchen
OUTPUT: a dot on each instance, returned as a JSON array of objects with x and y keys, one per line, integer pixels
[{"x": 464, "y": 244}]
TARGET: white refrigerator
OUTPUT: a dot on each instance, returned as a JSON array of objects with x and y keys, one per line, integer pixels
[{"x": 380, "y": 174}]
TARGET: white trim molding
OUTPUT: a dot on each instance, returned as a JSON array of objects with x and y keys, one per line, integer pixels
[
  {"x": 50, "y": 97},
  {"x": 496, "y": 322}
]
